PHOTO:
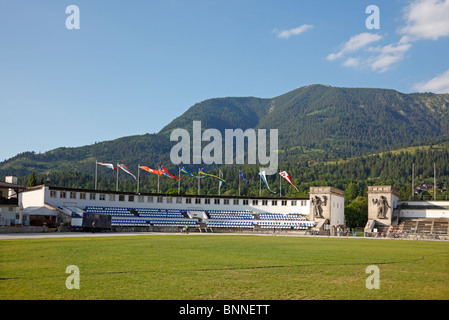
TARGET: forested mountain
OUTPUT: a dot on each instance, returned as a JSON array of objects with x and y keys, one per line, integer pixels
[{"x": 318, "y": 126}]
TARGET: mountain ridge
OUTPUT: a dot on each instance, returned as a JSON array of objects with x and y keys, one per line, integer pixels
[{"x": 316, "y": 121}]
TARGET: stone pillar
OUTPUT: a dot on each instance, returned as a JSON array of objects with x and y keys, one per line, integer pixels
[
  {"x": 327, "y": 203},
  {"x": 382, "y": 200}
]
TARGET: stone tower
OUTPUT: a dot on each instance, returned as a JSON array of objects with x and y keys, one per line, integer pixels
[{"x": 382, "y": 200}]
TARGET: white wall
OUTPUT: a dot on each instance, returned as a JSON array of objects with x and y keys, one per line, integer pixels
[
  {"x": 426, "y": 213},
  {"x": 61, "y": 198},
  {"x": 337, "y": 210},
  {"x": 430, "y": 209},
  {"x": 32, "y": 198},
  {"x": 8, "y": 215}
]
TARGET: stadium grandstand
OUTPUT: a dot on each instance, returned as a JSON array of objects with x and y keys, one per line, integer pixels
[{"x": 321, "y": 213}]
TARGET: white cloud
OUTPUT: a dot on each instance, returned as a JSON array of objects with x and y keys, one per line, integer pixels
[
  {"x": 352, "y": 62},
  {"x": 439, "y": 84},
  {"x": 355, "y": 43},
  {"x": 388, "y": 56},
  {"x": 293, "y": 32},
  {"x": 423, "y": 20},
  {"x": 426, "y": 19}
]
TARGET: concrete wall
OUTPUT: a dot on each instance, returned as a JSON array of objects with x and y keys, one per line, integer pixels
[
  {"x": 424, "y": 209},
  {"x": 59, "y": 197}
]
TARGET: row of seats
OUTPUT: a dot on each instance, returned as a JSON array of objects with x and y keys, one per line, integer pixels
[
  {"x": 230, "y": 224},
  {"x": 155, "y": 222},
  {"x": 128, "y": 222},
  {"x": 142, "y": 212},
  {"x": 244, "y": 216},
  {"x": 285, "y": 225},
  {"x": 280, "y": 216}
]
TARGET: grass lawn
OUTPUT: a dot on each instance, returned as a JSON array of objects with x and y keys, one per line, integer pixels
[{"x": 200, "y": 267}]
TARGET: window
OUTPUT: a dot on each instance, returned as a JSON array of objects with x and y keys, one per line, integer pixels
[
  {"x": 245, "y": 202},
  {"x": 169, "y": 200},
  {"x": 112, "y": 197},
  {"x": 197, "y": 201},
  {"x": 188, "y": 200},
  {"x": 130, "y": 198},
  {"x": 283, "y": 202},
  {"x": 140, "y": 199},
  {"x": 62, "y": 194},
  {"x": 226, "y": 201},
  {"x": 150, "y": 199},
  {"x": 216, "y": 201},
  {"x": 72, "y": 195},
  {"x": 102, "y": 197},
  {"x": 236, "y": 202},
  {"x": 160, "y": 199},
  {"x": 274, "y": 202},
  {"x": 92, "y": 196},
  {"x": 83, "y": 196},
  {"x": 178, "y": 200},
  {"x": 293, "y": 203},
  {"x": 264, "y": 202},
  {"x": 206, "y": 201},
  {"x": 121, "y": 197},
  {"x": 52, "y": 194},
  {"x": 303, "y": 203},
  {"x": 255, "y": 202}
]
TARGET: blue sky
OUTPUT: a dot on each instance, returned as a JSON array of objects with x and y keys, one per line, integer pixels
[{"x": 134, "y": 66}]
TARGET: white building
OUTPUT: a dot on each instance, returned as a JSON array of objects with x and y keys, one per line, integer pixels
[{"x": 9, "y": 207}]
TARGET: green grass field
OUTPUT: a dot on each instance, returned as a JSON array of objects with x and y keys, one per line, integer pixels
[{"x": 235, "y": 267}]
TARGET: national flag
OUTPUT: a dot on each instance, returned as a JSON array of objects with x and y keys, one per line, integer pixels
[
  {"x": 285, "y": 175},
  {"x": 241, "y": 174},
  {"x": 264, "y": 178},
  {"x": 203, "y": 172},
  {"x": 158, "y": 172},
  {"x": 124, "y": 168},
  {"x": 108, "y": 165},
  {"x": 168, "y": 174},
  {"x": 184, "y": 170}
]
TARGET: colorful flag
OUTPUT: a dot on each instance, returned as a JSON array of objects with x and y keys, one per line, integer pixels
[
  {"x": 203, "y": 172},
  {"x": 184, "y": 170},
  {"x": 108, "y": 165},
  {"x": 158, "y": 172},
  {"x": 285, "y": 175},
  {"x": 124, "y": 168},
  {"x": 264, "y": 178},
  {"x": 168, "y": 174},
  {"x": 241, "y": 174}
]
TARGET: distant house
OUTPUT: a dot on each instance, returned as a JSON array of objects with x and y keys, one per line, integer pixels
[{"x": 9, "y": 206}]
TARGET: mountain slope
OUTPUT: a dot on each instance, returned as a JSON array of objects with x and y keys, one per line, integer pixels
[{"x": 315, "y": 122}]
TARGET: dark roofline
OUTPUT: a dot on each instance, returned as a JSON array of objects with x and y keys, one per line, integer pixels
[
  {"x": 11, "y": 185},
  {"x": 164, "y": 194}
]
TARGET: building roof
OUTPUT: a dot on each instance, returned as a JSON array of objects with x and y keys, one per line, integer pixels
[{"x": 10, "y": 185}]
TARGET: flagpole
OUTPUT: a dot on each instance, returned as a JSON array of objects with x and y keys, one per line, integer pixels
[
  {"x": 158, "y": 176},
  {"x": 220, "y": 174},
  {"x": 179, "y": 182},
  {"x": 138, "y": 177},
  {"x": 239, "y": 184},
  {"x": 96, "y": 178},
  {"x": 199, "y": 185},
  {"x": 260, "y": 185},
  {"x": 280, "y": 186},
  {"x": 116, "y": 185}
]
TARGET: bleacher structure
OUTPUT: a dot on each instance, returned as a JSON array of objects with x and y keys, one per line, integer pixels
[{"x": 204, "y": 220}]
